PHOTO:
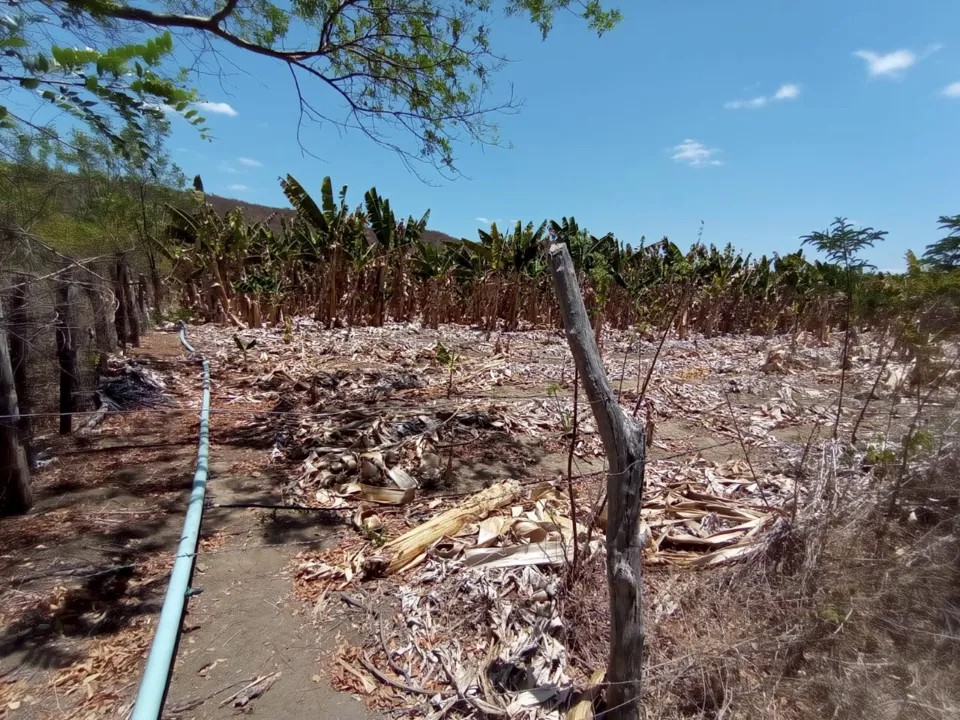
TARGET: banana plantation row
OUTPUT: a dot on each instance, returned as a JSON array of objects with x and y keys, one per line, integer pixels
[{"x": 366, "y": 265}]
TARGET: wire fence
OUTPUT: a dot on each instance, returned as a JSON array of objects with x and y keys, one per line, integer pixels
[
  {"x": 62, "y": 319},
  {"x": 402, "y": 404}
]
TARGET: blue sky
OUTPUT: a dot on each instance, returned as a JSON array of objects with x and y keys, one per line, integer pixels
[{"x": 763, "y": 119}]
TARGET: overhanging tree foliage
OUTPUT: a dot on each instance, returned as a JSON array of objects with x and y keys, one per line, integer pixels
[
  {"x": 113, "y": 87},
  {"x": 395, "y": 70}
]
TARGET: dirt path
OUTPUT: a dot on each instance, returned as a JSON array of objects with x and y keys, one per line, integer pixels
[
  {"x": 84, "y": 573},
  {"x": 245, "y": 624}
]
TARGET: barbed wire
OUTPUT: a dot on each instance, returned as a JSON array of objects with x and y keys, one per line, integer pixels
[
  {"x": 340, "y": 514},
  {"x": 439, "y": 403},
  {"x": 398, "y": 409},
  {"x": 142, "y": 563}
]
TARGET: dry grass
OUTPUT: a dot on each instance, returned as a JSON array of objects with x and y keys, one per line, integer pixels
[{"x": 850, "y": 613}]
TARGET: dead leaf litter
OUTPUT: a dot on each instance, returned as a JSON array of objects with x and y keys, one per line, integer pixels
[{"x": 467, "y": 616}]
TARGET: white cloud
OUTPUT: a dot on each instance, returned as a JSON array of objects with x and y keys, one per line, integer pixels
[
  {"x": 220, "y": 108},
  {"x": 890, "y": 65},
  {"x": 752, "y": 104},
  {"x": 238, "y": 188},
  {"x": 788, "y": 91},
  {"x": 694, "y": 154},
  {"x": 952, "y": 90},
  {"x": 485, "y": 221},
  {"x": 249, "y": 162}
]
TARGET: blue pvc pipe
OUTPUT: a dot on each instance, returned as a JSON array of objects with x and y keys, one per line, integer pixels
[
  {"x": 183, "y": 338},
  {"x": 153, "y": 686}
]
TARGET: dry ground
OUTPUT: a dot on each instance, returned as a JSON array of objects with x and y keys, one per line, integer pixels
[{"x": 85, "y": 571}]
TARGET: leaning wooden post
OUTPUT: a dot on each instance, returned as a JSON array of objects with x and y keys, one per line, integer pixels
[
  {"x": 16, "y": 495},
  {"x": 625, "y": 448},
  {"x": 66, "y": 353}
]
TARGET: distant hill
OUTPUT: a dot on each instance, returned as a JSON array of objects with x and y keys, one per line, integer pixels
[
  {"x": 436, "y": 236},
  {"x": 252, "y": 212}
]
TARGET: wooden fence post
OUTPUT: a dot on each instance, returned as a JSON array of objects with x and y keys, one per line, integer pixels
[
  {"x": 254, "y": 320},
  {"x": 66, "y": 352},
  {"x": 623, "y": 441},
  {"x": 16, "y": 494}
]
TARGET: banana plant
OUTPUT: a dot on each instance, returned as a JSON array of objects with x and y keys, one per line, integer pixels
[
  {"x": 384, "y": 226},
  {"x": 206, "y": 244},
  {"x": 432, "y": 263},
  {"x": 393, "y": 242},
  {"x": 338, "y": 229}
]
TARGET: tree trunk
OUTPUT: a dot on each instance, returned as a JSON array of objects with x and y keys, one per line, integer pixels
[
  {"x": 514, "y": 322},
  {"x": 436, "y": 294},
  {"x": 625, "y": 447},
  {"x": 66, "y": 353},
  {"x": 100, "y": 303},
  {"x": 598, "y": 327},
  {"x": 682, "y": 325},
  {"x": 142, "y": 302},
  {"x": 334, "y": 298},
  {"x": 353, "y": 300},
  {"x": 493, "y": 307},
  {"x": 381, "y": 302},
  {"x": 157, "y": 283},
  {"x": 120, "y": 321},
  {"x": 193, "y": 296},
  {"x": 398, "y": 293},
  {"x": 322, "y": 306},
  {"x": 133, "y": 315},
  {"x": 20, "y": 357},
  {"x": 128, "y": 328},
  {"x": 16, "y": 495}
]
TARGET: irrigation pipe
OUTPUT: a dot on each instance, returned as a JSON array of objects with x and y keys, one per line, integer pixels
[
  {"x": 156, "y": 675},
  {"x": 183, "y": 339}
]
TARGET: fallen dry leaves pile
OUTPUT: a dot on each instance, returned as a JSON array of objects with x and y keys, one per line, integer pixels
[
  {"x": 479, "y": 623},
  {"x": 96, "y": 683},
  {"x": 372, "y": 419}
]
